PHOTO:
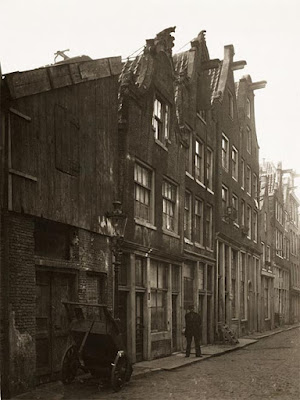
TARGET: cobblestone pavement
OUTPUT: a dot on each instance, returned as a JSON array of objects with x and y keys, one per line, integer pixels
[{"x": 268, "y": 369}]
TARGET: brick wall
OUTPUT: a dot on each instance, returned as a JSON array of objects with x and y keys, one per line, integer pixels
[{"x": 19, "y": 286}]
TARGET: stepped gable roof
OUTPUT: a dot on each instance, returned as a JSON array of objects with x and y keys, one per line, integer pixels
[{"x": 71, "y": 72}]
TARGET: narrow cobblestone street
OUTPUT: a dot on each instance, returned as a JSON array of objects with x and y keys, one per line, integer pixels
[{"x": 268, "y": 369}]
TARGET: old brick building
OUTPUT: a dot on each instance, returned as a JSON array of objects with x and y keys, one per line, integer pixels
[
  {"x": 59, "y": 127},
  {"x": 237, "y": 247},
  {"x": 281, "y": 232},
  {"x": 152, "y": 187},
  {"x": 197, "y": 128}
]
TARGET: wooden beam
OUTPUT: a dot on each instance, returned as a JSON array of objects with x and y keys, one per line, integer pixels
[
  {"x": 258, "y": 85},
  {"x": 22, "y": 174},
  {"x": 19, "y": 114},
  {"x": 210, "y": 64},
  {"x": 238, "y": 65}
]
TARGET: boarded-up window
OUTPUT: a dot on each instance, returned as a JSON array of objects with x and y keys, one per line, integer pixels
[
  {"x": 52, "y": 240},
  {"x": 66, "y": 141}
]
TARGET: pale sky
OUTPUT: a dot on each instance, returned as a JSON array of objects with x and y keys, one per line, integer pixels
[{"x": 265, "y": 33}]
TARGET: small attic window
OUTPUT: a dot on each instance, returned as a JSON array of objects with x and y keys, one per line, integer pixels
[
  {"x": 230, "y": 104},
  {"x": 248, "y": 108},
  {"x": 161, "y": 120}
]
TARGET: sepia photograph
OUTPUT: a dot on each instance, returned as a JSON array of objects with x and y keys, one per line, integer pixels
[{"x": 149, "y": 200}]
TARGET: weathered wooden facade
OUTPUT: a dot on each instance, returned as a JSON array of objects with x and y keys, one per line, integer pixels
[{"x": 60, "y": 178}]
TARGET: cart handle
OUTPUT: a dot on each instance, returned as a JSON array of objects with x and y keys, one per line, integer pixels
[{"x": 84, "y": 304}]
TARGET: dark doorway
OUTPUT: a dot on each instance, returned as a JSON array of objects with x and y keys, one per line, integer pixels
[
  {"x": 51, "y": 322},
  {"x": 139, "y": 331},
  {"x": 174, "y": 322},
  {"x": 123, "y": 315}
]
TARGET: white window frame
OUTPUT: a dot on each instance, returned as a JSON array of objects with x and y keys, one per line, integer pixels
[
  {"x": 199, "y": 218},
  {"x": 161, "y": 120},
  {"x": 248, "y": 108},
  {"x": 199, "y": 160},
  {"x": 170, "y": 209},
  {"x": 209, "y": 168},
  {"x": 249, "y": 220},
  {"x": 249, "y": 139},
  {"x": 234, "y": 162},
  {"x": 209, "y": 226},
  {"x": 230, "y": 104},
  {"x": 242, "y": 173},
  {"x": 248, "y": 180},
  {"x": 255, "y": 226},
  {"x": 188, "y": 215},
  {"x": 235, "y": 207},
  {"x": 225, "y": 200},
  {"x": 225, "y": 152},
  {"x": 141, "y": 187}
]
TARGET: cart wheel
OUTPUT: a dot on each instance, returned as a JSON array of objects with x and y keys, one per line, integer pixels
[
  {"x": 119, "y": 373},
  {"x": 70, "y": 365}
]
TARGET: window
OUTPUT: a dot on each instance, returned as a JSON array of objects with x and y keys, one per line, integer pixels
[
  {"x": 159, "y": 290},
  {"x": 268, "y": 254},
  {"x": 235, "y": 208},
  {"x": 224, "y": 200},
  {"x": 265, "y": 221},
  {"x": 279, "y": 243},
  {"x": 266, "y": 298},
  {"x": 248, "y": 139},
  {"x": 234, "y": 159},
  {"x": 263, "y": 259},
  {"x": 249, "y": 222},
  {"x": 208, "y": 227},
  {"x": 225, "y": 153},
  {"x": 209, "y": 168},
  {"x": 161, "y": 120},
  {"x": 248, "y": 180},
  {"x": 199, "y": 161},
  {"x": 169, "y": 206},
  {"x": 140, "y": 271},
  {"x": 255, "y": 187},
  {"x": 248, "y": 108},
  {"x": 143, "y": 193},
  {"x": 255, "y": 222},
  {"x": 242, "y": 212},
  {"x": 234, "y": 258},
  {"x": 279, "y": 212},
  {"x": 199, "y": 221},
  {"x": 201, "y": 276},
  {"x": 242, "y": 286},
  {"x": 230, "y": 104},
  {"x": 188, "y": 215},
  {"x": 203, "y": 115},
  {"x": 189, "y": 153},
  {"x": 242, "y": 173}
]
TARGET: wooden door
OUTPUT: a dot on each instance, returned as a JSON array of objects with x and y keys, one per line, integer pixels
[
  {"x": 174, "y": 322},
  {"x": 139, "y": 331},
  {"x": 51, "y": 321},
  {"x": 123, "y": 315}
]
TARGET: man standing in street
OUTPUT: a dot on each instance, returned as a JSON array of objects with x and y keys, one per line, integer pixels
[{"x": 192, "y": 329}]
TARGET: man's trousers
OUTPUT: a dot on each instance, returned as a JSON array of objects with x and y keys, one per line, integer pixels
[{"x": 197, "y": 345}]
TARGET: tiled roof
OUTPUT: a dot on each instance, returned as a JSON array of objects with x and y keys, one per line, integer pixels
[
  {"x": 214, "y": 74},
  {"x": 180, "y": 61},
  {"x": 130, "y": 70}
]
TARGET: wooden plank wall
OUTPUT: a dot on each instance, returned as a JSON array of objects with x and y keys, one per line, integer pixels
[{"x": 38, "y": 146}]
